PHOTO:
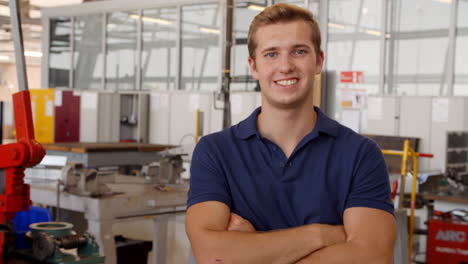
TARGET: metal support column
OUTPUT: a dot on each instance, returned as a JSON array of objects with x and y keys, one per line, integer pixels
[
  {"x": 178, "y": 79},
  {"x": 450, "y": 60},
  {"x": 383, "y": 46},
  {"x": 104, "y": 51},
  {"x": 326, "y": 94},
  {"x": 391, "y": 47},
  {"x": 138, "y": 85},
  {"x": 17, "y": 34},
  {"x": 71, "y": 80},
  {"x": 227, "y": 65},
  {"x": 45, "y": 52}
]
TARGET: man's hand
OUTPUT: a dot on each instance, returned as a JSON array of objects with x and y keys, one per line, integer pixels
[{"x": 239, "y": 224}]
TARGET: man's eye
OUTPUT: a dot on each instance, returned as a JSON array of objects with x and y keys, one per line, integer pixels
[
  {"x": 270, "y": 54},
  {"x": 301, "y": 52}
]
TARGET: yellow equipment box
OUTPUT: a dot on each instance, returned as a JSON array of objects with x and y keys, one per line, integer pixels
[{"x": 43, "y": 111}]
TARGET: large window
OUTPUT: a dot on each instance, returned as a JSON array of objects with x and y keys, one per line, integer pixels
[
  {"x": 461, "y": 54},
  {"x": 240, "y": 72},
  {"x": 59, "y": 55},
  {"x": 201, "y": 54},
  {"x": 421, "y": 46},
  {"x": 88, "y": 56},
  {"x": 159, "y": 49},
  {"x": 181, "y": 47},
  {"x": 355, "y": 30},
  {"x": 122, "y": 52}
]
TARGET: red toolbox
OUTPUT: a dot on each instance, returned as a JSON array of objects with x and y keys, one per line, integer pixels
[{"x": 447, "y": 242}]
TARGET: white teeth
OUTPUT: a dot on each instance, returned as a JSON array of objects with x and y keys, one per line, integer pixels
[{"x": 287, "y": 82}]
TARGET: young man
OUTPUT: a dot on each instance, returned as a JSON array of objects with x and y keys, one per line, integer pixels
[{"x": 288, "y": 184}]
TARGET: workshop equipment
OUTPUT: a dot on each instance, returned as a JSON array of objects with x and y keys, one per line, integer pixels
[
  {"x": 407, "y": 153},
  {"x": 26, "y": 152},
  {"x": 447, "y": 241},
  {"x": 83, "y": 181},
  {"x": 1, "y": 122},
  {"x": 168, "y": 170},
  {"x": 48, "y": 238}
]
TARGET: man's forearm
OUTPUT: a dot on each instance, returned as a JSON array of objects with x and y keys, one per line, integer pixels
[
  {"x": 348, "y": 252},
  {"x": 282, "y": 246}
]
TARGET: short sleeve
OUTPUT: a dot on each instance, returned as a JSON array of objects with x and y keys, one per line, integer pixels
[
  {"x": 370, "y": 186},
  {"x": 207, "y": 180}
]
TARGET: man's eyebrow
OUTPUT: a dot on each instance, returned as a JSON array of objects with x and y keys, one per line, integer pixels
[
  {"x": 269, "y": 49},
  {"x": 294, "y": 47},
  {"x": 302, "y": 46}
]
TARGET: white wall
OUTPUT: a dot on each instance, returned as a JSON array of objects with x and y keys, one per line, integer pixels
[{"x": 9, "y": 81}]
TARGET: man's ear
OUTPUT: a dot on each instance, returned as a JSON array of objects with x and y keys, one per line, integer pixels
[
  {"x": 320, "y": 59},
  {"x": 253, "y": 67}
]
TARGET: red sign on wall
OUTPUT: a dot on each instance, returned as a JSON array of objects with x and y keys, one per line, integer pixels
[{"x": 351, "y": 77}]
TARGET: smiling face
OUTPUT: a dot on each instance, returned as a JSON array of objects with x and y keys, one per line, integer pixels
[{"x": 285, "y": 64}]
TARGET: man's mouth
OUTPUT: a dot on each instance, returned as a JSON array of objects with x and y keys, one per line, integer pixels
[{"x": 286, "y": 82}]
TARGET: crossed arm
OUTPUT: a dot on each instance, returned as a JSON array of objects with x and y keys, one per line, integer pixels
[{"x": 217, "y": 236}]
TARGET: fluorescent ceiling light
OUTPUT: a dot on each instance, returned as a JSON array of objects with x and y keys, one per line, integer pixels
[
  {"x": 209, "y": 30},
  {"x": 444, "y": 1},
  {"x": 151, "y": 19},
  {"x": 30, "y": 53},
  {"x": 4, "y": 58},
  {"x": 50, "y": 3},
  {"x": 4, "y": 10},
  {"x": 334, "y": 25},
  {"x": 256, "y": 7},
  {"x": 35, "y": 13},
  {"x": 373, "y": 32},
  {"x": 35, "y": 28}
]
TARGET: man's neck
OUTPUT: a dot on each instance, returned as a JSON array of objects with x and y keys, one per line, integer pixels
[{"x": 286, "y": 127}]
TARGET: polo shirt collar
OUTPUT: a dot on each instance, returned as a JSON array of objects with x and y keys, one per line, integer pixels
[{"x": 248, "y": 127}]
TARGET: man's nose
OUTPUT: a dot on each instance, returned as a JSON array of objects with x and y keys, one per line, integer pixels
[{"x": 286, "y": 64}]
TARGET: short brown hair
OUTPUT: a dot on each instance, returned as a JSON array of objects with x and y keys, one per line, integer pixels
[{"x": 282, "y": 13}]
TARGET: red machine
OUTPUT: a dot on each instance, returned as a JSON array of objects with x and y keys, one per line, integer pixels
[
  {"x": 447, "y": 242},
  {"x": 26, "y": 152}
]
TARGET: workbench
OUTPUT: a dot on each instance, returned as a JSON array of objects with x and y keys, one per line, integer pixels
[
  {"x": 107, "y": 154},
  {"x": 447, "y": 203},
  {"x": 134, "y": 198}
]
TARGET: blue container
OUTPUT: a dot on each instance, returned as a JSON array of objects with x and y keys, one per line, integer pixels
[{"x": 23, "y": 219}]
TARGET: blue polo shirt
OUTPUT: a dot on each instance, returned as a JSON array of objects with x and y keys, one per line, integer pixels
[{"x": 331, "y": 169}]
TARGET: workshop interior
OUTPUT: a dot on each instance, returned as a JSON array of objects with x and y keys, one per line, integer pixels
[{"x": 102, "y": 103}]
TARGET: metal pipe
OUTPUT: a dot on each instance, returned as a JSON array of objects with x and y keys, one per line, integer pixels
[
  {"x": 404, "y": 171},
  {"x": 197, "y": 126},
  {"x": 17, "y": 34},
  {"x": 413, "y": 204},
  {"x": 400, "y": 153},
  {"x": 227, "y": 65}
]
